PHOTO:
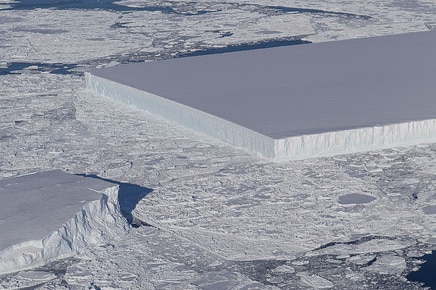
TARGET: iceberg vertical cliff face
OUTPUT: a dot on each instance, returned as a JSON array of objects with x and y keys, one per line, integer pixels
[
  {"x": 357, "y": 140},
  {"x": 96, "y": 222},
  {"x": 213, "y": 126}
]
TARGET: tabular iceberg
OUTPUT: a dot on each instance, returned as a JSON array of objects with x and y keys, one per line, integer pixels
[
  {"x": 51, "y": 215},
  {"x": 293, "y": 102}
]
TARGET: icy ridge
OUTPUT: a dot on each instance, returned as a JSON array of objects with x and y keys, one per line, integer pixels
[{"x": 98, "y": 222}]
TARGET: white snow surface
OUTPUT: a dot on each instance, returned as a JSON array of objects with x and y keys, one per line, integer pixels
[
  {"x": 293, "y": 102},
  {"x": 52, "y": 215}
]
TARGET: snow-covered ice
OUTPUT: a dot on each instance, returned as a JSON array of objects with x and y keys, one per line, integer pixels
[
  {"x": 293, "y": 102},
  {"x": 201, "y": 187},
  {"x": 51, "y": 215}
]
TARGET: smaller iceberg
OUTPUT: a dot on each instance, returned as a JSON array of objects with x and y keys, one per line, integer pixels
[{"x": 51, "y": 215}]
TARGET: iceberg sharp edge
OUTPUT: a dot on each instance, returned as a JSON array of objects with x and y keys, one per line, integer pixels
[
  {"x": 355, "y": 140},
  {"x": 194, "y": 119},
  {"x": 304, "y": 146},
  {"x": 98, "y": 222}
]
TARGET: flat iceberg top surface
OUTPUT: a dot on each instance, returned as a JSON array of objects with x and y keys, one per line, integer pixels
[
  {"x": 34, "y": 205},
  {"x": 288, "y": 91}
]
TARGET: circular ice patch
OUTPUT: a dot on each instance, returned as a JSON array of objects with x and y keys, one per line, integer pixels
[{"x": 355, "y": 198}]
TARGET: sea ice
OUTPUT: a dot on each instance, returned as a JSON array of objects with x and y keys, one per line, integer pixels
[{"x": 50, "y": 215}]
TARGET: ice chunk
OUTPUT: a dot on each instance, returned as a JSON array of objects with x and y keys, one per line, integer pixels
[
  {"x": 389, "y": 264},
  {"x": 51, "y": 215},
  {"x": 316, "y": 281}
]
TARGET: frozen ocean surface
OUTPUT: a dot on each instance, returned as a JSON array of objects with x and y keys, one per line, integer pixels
[
  {"x": 365, "y": 220},
  {"x": 50, "y": 215},
  {"x": 293, "y": 102}
]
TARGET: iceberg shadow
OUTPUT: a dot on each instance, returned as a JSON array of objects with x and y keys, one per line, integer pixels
[{"x": 128, "y": 195}]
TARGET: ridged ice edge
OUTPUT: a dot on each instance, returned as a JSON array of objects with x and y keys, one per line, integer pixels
[
  {"x": 97, "y": 223},
  {"x": 355, "y": 140}
]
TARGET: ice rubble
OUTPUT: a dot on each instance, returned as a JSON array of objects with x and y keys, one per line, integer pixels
[
  {"x": 292, "y": 102},
  {"x": 52, "y": 215}
]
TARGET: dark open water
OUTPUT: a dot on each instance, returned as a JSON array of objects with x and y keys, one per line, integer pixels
[{"x": 427, "y": 272}]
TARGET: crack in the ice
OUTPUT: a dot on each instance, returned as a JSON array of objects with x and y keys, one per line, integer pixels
[
  {"x": 53, "y": 68},
  {"x": 296, "y": 40},
  {"x": 355, "y": 242},
  {"x": 285, "y": 9},
  {"x": 172, "y": 7}
]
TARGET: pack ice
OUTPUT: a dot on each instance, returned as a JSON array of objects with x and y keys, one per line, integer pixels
[
  {"x": 293, "y": 102},
  {"x": 52, "y": 214}
]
